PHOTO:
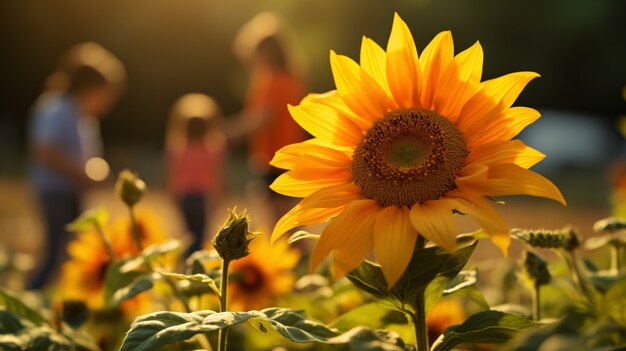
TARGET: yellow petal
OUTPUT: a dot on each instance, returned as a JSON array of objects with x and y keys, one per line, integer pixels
[
  {"x": 326, "y": 123},
  {"x": 299, "y": 216},
  {"x": 310, "y": 155},
  {"x": 318, "y": 207},
  {"x": 510, "y": 179},
  {"x": 433, "y": 61},
  {"x": 507, "y": 125},
  {"x": 403, "y": 68},
  {"x": 374, "y": 61},
  {"x": 303, "y": 182},
  {"x": 359, "y": 242},
  {"x": 495, "y": 96},
  {"x": 394, "y": 242},
  {"x": 505, "y": 151},
  {"x": 459, "y": 82},
  {"x": 332, "y": 99},
  {"x": 435, "y": 221},
  {"x": 358, "y": 90},
  {"x": 336, "y": 234},
  {"x": 483, "y": 212}
]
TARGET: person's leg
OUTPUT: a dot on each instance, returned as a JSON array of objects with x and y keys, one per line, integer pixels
[
  {"x": 194, "y": 211},
  {"x": 57, "y": 211}
]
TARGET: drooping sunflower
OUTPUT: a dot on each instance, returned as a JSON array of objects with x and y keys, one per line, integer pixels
[
  {"x": 403, "y": 144},
  {"x": 259, "y": 278},
  {"x": 83, "y": 275}
]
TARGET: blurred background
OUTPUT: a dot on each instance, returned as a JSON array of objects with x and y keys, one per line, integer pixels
[{"x": 171, "y": 48}]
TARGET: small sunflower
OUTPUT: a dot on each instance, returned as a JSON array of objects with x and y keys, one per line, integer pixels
[
  {"x": 82, "y": 276},
  {"x": 442, "y": 315},
  {"x": 259, "y": 278},
  {"x": 400, "y": 146}
]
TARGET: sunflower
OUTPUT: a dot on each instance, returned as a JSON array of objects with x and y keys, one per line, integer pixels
[
  {"x": 82, "y": 276},
  {"x": 402, "y": 145},
  {"x": 442, "y": 315},
  {"x": 259, "y": 278}
]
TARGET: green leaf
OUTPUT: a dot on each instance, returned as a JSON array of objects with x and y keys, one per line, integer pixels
[
  {"x": 152, "y": 331},
  {"x": 115, "y": 279},
  {"x": 14, "y": 304},
  {"x": 44, "y": 337},
  {"x": 604, "y": 280},
  {"x": 9, "y": 322},
  {"x": 461, "y": 281},
  {"x": 466, "y": 238},
  {"x": 301, "y": 235},
  {"x": 196, "y": 278},
  {"x": 441, "y": 264},
  {"x": 484, "y": 327},
  {"x": 615, "y": 303},
  {"x": 137, "y": 286},
  {"x": 464, "y": 284},
  {"x": 87, "y": 220},
  {"x": 368, "y": 277},
  {"x": 364, "y": 339},
  {"x": 372, "y": 315},
  {"x": 150, "y": 253}
]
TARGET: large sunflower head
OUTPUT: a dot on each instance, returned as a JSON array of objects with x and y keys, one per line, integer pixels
[{"x": 402, "y": 144}]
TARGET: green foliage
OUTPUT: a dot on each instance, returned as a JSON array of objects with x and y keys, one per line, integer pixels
[
  {"x": 428, "y": 265},
  {"x": 87, "y": 220},
  {"x": 14, "y": 304},
  {"x": 149, "y": 254},
  {"x": 26, "y": 331},
  {"x": 372, "y": 315},
  {"x": 615, "y": 302},
  {"x": 482, "y": 327},
  {"x": 116, "y": 279},
  {"x": 464, "y": 284},
  {"x": 364, "y": 339},
  {"x": 155, "y": 330},
  {"x": 140, "y": 284},
  {"x": 196, "y": 278},
  {"x": 576, "y": 330}
]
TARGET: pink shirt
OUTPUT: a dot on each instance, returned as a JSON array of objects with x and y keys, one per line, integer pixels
[{"x": 196, "y": 169}]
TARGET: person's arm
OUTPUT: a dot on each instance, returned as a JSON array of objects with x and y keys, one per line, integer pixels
[
  {"x": 241, "y": 125},
  {"x": 50, "y": 155}
]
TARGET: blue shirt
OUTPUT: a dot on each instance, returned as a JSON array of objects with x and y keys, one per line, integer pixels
[{"x": 55, "y": 122}]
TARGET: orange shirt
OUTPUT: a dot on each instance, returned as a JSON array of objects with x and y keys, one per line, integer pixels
[
  {"x": 196, "y": 169},
  {"x": 272, "y": 90}
]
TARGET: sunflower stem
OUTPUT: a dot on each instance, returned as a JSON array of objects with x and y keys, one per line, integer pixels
[
  {"x": 536, "y": 303},
  {"x": 105, "y": 240},
  {"x": 615, "y": 259},
  {"x": 419, "y": 322},
  {"x": 135, "y": 228},
  {"x": 419, "y": 317},
  {"x": 223, "y": 333}
]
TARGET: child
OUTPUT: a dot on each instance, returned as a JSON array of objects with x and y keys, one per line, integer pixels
[
  {"x": 60, "y": 150},
  {"x": 196, "y": 149},
  {"x": 262, "y": 44}
]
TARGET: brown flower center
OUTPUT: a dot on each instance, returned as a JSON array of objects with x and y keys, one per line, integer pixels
[
  {"x": 408, "y": 157},
  {"x": 249, "y": 278}
]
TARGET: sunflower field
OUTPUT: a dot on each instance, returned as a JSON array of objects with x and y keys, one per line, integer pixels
[{"x": 365, "y": 207}]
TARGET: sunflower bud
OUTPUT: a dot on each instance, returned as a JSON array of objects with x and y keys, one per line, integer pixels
[
  {"x": 129, "y": 187},
  {"x": 74, "y": 313},
  {"x": 233, "y": 238},
  {"x": 566, "y": 238},
  {"x": 611, "y": 225},
  {"x": 536, "y": 269}
]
